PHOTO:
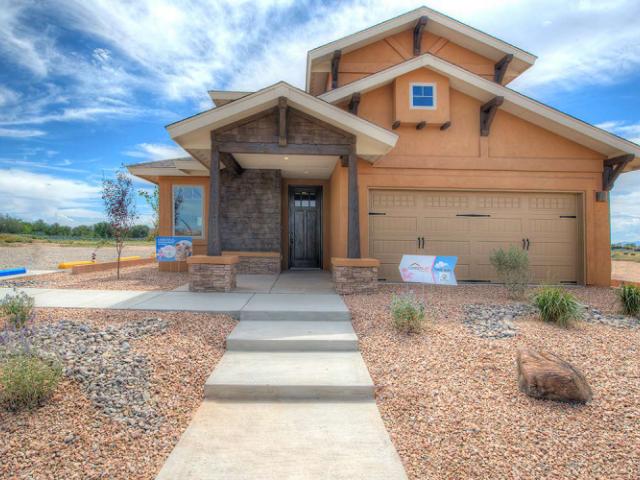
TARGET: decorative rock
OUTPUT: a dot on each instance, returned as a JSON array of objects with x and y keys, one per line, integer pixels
[
  {"x": 494, "y": 321},
  {"x": 546, "y": 376}
]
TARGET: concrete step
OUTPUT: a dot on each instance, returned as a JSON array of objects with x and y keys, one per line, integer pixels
[
  {"x": 293, "y": 336},
  {"x": 284, "y": 440},
  {"x": 295, "y": 306},
  {"x": 290, "y": 376}
]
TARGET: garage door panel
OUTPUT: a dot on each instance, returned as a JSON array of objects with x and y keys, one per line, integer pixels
[
  {"x": 394, "y": 226},
  {"x": 432, "y": 227},
  {"x": 472, "y": 225}
]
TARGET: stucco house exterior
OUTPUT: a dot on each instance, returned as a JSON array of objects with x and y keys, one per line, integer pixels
[{"x": 406, "y": 140}]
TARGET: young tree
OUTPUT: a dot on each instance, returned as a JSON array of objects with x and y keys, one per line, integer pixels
[
  {"x": 120, "y": 208},
  {"x": 153, "y": 200}
]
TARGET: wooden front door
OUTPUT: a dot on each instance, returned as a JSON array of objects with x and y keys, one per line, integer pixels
[{"x": 305, "y": 227}]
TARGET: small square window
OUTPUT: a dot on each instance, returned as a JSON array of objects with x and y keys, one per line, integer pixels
[{"x": 423, "y": 96}]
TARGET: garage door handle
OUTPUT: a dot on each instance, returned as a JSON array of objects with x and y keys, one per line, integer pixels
[
  {"x": 527, "y": 244},
  {"x": 524, "y": 244},
  {"x": 422, "y": 242}
]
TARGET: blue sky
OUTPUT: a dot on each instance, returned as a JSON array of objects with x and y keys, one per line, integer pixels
[{"x": 88, "y": 86}]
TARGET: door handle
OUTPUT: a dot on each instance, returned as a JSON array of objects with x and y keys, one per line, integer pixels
[
  {"x": 527, "y": 244},
  {"x": 524, "y": 244},
  {"x": 418, "y": 239},
  {"x": 422, "y": 242}
]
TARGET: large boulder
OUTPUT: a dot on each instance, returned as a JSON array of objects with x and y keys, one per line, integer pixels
[{"x": 544, "y": 375}]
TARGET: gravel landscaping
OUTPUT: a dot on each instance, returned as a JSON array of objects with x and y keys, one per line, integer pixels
[
  {"x": 143, "y": 277},
  {"x": 450, "y": 400},
  {"x": 132, "y": 382}
]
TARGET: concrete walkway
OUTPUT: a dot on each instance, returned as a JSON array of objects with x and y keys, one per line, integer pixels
[{"x": 290, "y": 399}]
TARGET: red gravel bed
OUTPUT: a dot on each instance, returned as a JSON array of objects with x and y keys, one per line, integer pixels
[
  {"x": 451, "y": 403},
  {"x": 144, "y": 277},
  {"x": 69, "y": 438}
]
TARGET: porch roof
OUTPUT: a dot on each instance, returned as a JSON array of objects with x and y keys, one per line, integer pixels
[{"x": 193, "y": 133}]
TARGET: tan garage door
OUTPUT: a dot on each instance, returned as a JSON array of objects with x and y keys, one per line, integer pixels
[{"x": 470, "y": 225}]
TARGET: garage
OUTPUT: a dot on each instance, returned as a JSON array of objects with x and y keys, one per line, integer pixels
[{"x": 470, "y": 225}]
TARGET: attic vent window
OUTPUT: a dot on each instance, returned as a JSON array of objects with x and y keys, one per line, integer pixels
[{"x": 423, "y": 95}]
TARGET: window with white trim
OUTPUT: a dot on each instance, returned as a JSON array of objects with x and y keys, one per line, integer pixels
[
  {"x": 188, "y": 208},
  {"x": 423, "y": 95}
]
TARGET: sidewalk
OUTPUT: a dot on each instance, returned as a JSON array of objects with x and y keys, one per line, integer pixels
[{"x": 239, "y": 305}]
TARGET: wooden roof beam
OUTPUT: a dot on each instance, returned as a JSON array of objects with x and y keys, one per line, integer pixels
[
  {"x": 487, "y": 114},
  {"x": 354, "y": 103},
  {"x": 282, "y": 121},
  {"x": 335, "y": 66},
  {"x": 417, "y": 34},
  {"x": 231, "y": 164},
  {"x": 500, "y": 68},
  {"x": 613, "y": 167}
]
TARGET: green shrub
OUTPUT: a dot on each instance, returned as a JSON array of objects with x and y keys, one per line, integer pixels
[
  {"x": 27, "y": 381},
  {"x": 17, "y": 308},
  {"x": 557, "y": 306},
  {"x": 512, "y": 268},
  {"x": 630, "y": 298},
  {"x": 408, "y": 313}
]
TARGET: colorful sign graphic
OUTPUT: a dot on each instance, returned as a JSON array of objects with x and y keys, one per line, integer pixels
[
  {"x": 173, "y": 249},
  {"x": 428, "y": 269}
]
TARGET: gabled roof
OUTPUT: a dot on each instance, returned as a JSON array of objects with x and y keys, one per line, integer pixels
[
  {"x": 178, "y": 167},
  {"x": 193, "y": 133},
  {"x": 438, "y": 24},
  {"x": 515, "y": 103}
]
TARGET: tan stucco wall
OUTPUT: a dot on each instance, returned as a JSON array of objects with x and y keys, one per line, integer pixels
[{"x": 404, "y": 113}]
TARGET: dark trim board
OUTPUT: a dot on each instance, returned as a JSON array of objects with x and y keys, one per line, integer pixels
[{"x": 314, "y": 259}]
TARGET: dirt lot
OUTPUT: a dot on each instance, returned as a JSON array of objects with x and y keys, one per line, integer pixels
[
  {"x": 72, "y": 437},
  {"x": 143, "y": 277},
  {"x": 46, "y": 256},
  {"x": 627, "y": 271},
  {"x": 452, "y": 406}
]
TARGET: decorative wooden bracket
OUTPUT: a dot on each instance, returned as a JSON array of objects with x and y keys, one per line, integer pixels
[
  {"x": 354, "y": 103},
  {"x": 231, "y": 164},
  {"x": 445, "y": 126},
  {"x": 395, "y": 124},
  {"x": 500, "y": 68},
  {"x": 421, "y": 125},
  {"x": 282, "y": 121},
  {"x": 335, "y": 65},
  {"x": 417, "y": 34},
  {"x": 613, "y": 167},
  {"x": 487, "y": 113}
]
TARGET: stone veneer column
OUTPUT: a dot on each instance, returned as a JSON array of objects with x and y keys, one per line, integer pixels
[
  {"x": 212, "y": 273},
  {"x": 355, "y": 275}
]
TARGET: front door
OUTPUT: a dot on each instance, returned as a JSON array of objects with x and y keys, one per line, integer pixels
[{"x": 305, "y": 225}]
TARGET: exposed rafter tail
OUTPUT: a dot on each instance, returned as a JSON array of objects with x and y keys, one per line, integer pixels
[{"x": 417, "y": 34}]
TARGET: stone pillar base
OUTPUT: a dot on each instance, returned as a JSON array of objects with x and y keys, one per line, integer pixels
[
  {"x": 355, "y": 275},
  {"x": 258, "y": 263},
  {"x": 212, "y": 274}
]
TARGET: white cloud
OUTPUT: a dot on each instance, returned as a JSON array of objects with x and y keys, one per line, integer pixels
[
  {"x": 41, "y": 165},
  {"x": 627, "y": 130},
  {"x": 20, "y": 133},
  {"x": 625, "y": 208},
  {"x": 67, "y": 201},
  {"x": 156, "y": 151}
]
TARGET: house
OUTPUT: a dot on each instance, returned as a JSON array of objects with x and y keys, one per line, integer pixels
[{"x": 406, "y": 140}]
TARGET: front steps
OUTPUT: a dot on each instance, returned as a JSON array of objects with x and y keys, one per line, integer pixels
[
  {"x": 293, "y": 336},
  {"x": 290, "y": 399}
]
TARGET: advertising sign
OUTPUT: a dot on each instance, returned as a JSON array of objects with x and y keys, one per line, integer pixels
[
  {"x": 428, "y": 269},
  {"x": 173, "y": 249}
]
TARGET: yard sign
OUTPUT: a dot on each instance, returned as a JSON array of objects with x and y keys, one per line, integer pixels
[
  {"x": 173, "y": 249},
  {"x": 428, "y": 269}
]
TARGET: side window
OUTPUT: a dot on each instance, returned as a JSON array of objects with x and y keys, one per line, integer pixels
[
  {"x": 188, "y": 210},
  {"x": 423, "y": 95}
]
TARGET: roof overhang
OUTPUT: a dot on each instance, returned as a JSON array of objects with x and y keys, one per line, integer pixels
[
  {"x": 193, "y": 133},
  {"x": 174, "y": 167},
  {"x": 222, "y": 97},
  {"x": 515, "y": 103},
  {"x": 438, "y": 24}
]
